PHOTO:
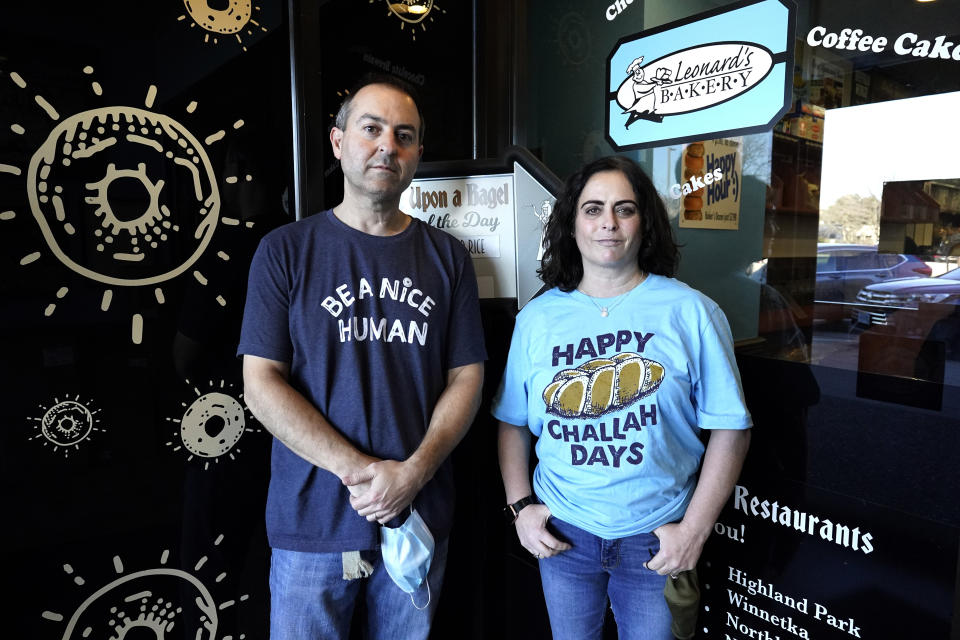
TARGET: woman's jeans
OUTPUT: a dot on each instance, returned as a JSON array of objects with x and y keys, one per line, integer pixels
[
  {"x": 577, "y": 583},
  {"x": 310, "y": 600}
]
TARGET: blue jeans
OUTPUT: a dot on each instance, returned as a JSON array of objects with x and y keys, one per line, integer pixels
[
  {"x": 578, "y": 582},
  {"x": 310, "y": 600}
]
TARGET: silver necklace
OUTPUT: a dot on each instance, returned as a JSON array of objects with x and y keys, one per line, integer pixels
[{"x": 605, "y": 310}]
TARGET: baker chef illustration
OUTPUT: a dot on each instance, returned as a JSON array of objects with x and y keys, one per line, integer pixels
[
  {"x": 543, "y": 214},
  {"x": 638, "y": 96}
]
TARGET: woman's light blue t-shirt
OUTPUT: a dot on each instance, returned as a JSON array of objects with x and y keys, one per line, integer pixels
[{"x": 618, "y": 402}]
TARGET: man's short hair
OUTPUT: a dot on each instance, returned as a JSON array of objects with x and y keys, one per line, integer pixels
[{"x": 340, "y": 122}]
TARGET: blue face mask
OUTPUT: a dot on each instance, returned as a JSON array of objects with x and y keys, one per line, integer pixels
[{"x": 407, "y": 552}]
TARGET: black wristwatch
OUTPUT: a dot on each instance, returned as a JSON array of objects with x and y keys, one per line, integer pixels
[{"x": 511, "y": 511}]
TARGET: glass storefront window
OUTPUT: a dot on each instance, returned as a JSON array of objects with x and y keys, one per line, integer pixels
[
  {"x": 849, "y": 205},
  {"x": 840, "y": 280}
]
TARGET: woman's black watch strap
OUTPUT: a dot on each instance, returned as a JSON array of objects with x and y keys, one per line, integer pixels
[{"x": 511, "y": 511}]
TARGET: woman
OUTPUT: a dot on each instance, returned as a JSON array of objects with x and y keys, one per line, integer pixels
[{"x": 616, "y": 369}]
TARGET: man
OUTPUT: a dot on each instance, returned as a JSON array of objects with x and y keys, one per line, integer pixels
[{"x": 363, "y": 355}]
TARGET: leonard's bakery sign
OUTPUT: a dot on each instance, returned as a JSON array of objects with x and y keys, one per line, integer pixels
[{"x": 721, "y": 73}]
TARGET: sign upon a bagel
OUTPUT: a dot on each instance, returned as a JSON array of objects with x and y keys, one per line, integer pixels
[{"x": 721, "y": 73}]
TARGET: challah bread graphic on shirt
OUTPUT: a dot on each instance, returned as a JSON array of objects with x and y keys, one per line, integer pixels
[{"x": 602, "y": 385}]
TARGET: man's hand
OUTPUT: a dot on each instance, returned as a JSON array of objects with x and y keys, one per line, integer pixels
[
  {"x": 382, "y": 490},
  {"x": 359, "y": 487},
  {"x": 532, "y": 530},
  {"x": 680, "y": 549}
]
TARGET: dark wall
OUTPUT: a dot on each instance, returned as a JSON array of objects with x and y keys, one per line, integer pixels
[
  {"x": 340, "y": 41},
  {"x": 128, "y": 459}
]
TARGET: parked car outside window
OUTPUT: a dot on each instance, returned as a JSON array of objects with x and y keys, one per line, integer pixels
[
  {"x": 844, "y": 269},
  {"x": 878, "y": 302},
  {"x": 926, "y": 308}
]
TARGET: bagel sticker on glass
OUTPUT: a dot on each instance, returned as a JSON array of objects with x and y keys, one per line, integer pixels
[
  {"x": 602, "y": 385},
  {"x": 67, "y": 424},
  {"x": 224, "y": 18},
  {"x": 148, "y": 603},
  {"x": 212, "y": 424},
  {"x": 415, "y": 13},
  {"x": 124, "y": 196}
]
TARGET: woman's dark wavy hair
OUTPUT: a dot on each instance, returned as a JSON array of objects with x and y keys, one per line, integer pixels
[{"x": 562, "y": 265}]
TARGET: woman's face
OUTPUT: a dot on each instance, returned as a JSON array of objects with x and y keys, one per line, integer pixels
[{"x": 607, "y": 224}]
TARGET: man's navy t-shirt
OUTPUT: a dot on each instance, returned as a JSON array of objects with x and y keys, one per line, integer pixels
[{"x": 370, "y": 326}]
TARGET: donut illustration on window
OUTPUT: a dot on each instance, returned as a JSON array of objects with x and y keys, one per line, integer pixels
[
  {"x": 160, "y": 602},
  {"x": 146, "y": 603},
  {"x": 123, "y": 195},
  {"x": 211, "y": 425},
  {"x": 66, "y": 424},
  {"x": 224, "y": 19},
  {"x": 602, "y": 385},
  {"x": 413, "y": 12},
  {"x": 230, "y": 19}
]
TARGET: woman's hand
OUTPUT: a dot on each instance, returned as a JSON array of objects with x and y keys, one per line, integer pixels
[
  {"x": 532, "y": 530},
  {"x": 681, "y": 542},
  {"x": 680, "y": 548}
]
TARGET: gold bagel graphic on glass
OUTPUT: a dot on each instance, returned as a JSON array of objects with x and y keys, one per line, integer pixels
[
  {"x": 602, "y": 385},
  {"x": 693, "y": 166},
  {"x": 230, "y": 19}
]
